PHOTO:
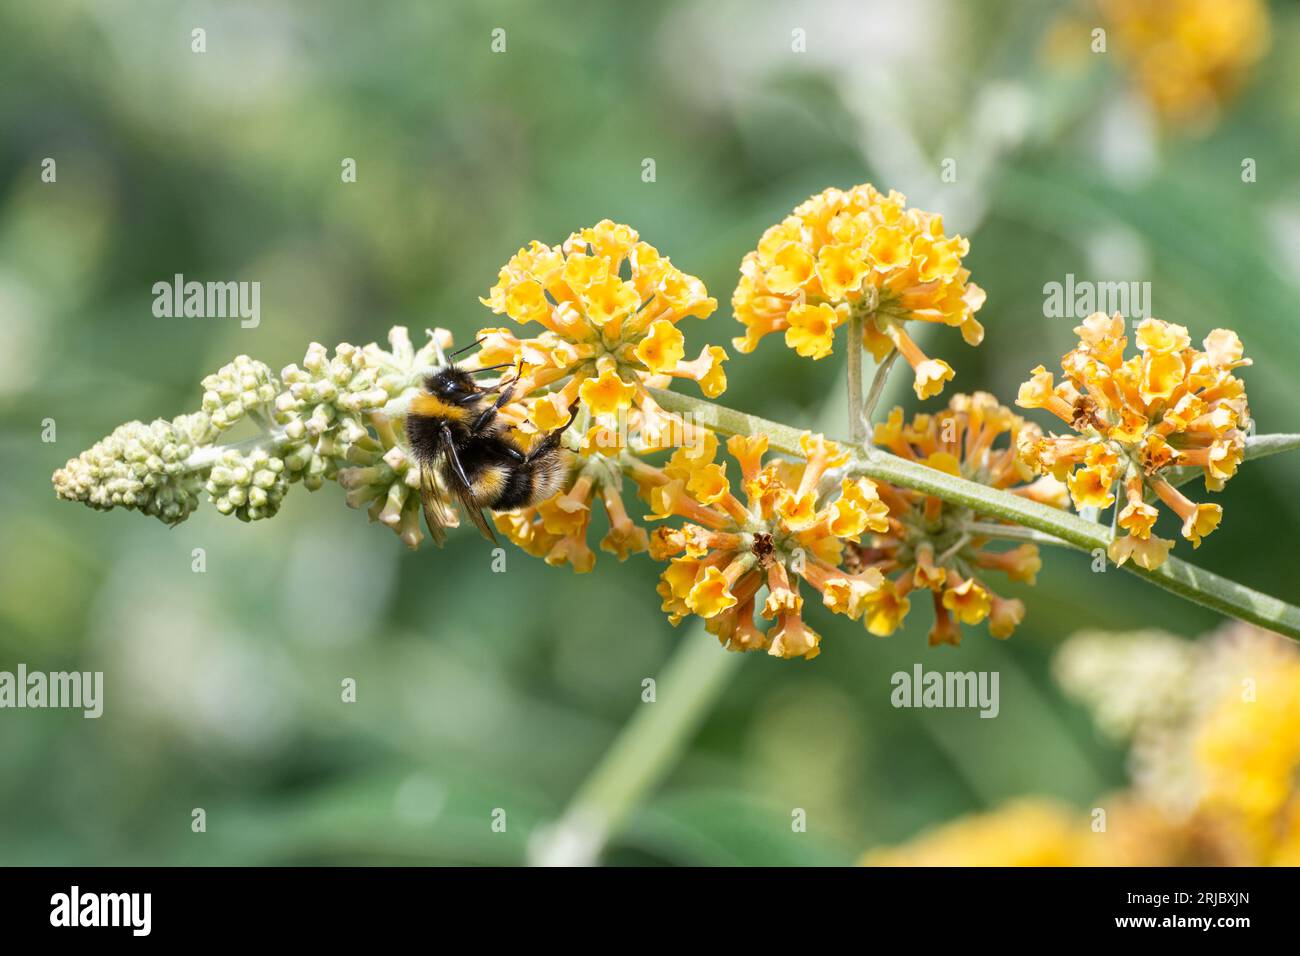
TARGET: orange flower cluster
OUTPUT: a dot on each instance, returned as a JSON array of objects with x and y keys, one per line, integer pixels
[
  {"x": 940, "y": 547},
  {"x": 858, "y": 253},
  {"x": 604, "y": 338},
  {"x": 609, "y": 306},
  {"x": 792, "y": 525},
  {"x": 1167, "y": 407}
]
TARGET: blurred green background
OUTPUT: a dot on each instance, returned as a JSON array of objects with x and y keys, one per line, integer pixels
[{"x": 479, "y": 691}]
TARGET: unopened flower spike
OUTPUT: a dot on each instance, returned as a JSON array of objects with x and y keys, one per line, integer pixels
[
  {"x": 1137, "y": 420},
  {"x": 257, "y": 434},
  {"x": 943, "y": 548},
  {"x": 751, "y": 532},
  {"x": 858, "y": 253}
]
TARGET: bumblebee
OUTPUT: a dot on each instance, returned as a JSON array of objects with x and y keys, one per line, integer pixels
[{"x": 463, "y": 446}]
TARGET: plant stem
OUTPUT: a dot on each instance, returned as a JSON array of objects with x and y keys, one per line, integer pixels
[
  {"x": 1257, "y": 446},
  {"x": 209, "y": 455},
  {"x": 1174, "y": 575},
  {"x": 857, "y": 430},
  {"x": 1013, "y": 532},
  {"x": 877, "y": 386},
  {"x": 644, "y": 751},
  {"x": 642, "y": 754}
]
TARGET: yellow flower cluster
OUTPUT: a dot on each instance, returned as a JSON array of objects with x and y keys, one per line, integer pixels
[
  {"x": 1169, "y": 406},
  {"x": 608, "y": 306},
  {"x": 1215, "y": 762},
  {"x": 791, "y": 525},
  {"x": 604, "y": 337},
  {"x": 1188, "y": 56},
  {"x": 858, "y": 252},
  {"x": 931, "y": 545},
  {"x": 1245, "y": 745}
]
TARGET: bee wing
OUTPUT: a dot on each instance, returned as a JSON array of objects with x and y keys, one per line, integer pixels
[
  {"x": 435, "y": 510},
  {"x": 460, "y": 487}
]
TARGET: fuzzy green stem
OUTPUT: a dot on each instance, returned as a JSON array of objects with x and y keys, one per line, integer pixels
[
  {"x": 207, "y": 456},
  {"x": 877, "y": 387},
  {"x": 1013, "y": 532},
  {"x": 1174, "y": 575},
  {"x": 1257, "y": 446}
]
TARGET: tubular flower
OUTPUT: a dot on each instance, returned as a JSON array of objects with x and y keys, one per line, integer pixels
[
  {"x": 858, "y": 253},
  {"x": 604, "y": 338},
  {"x": 1188, "y": 57},
  {"x": 1170, "y": 406},
  {"x": 790, "y": 527},
  {"x": 931, "y": 545}
]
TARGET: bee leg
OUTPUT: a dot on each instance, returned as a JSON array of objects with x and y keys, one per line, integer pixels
[
  {"x": 490, "y": 412},
  {"x": 573, "y": 415},
  {"x": 519, "y": 370},
  {"x": 454, "y": 458},
  {"x": 552, "y": 439}
]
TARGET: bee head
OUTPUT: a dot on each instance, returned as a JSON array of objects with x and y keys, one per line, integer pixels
[{"x": 452, "y": 385}]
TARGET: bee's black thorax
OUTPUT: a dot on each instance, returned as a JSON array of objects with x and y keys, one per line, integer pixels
[
  {"x": 423, "y": 432},
  {"x": 501, "y": 475}
]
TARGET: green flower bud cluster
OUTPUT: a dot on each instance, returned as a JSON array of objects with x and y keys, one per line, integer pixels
[
  {"x": 140, "y": 467},
  {"x": 386, "y": 482},
  {"x": 321, "y": 420},
  {"x": 243, "y": 387},
  {"x": 248, "y": 486},
  {"x": 327, "y": 402}
]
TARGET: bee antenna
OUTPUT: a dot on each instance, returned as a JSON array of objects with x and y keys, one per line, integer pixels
[
  {"x": 490, "y": 368},
  {"x": 468, "y": 347}
]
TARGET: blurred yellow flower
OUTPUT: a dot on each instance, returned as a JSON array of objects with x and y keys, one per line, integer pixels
[
  {"x": 1245, "y": 742},
  {"x": 1188, "y": 57},
  {"x": 1024, "y": 833},
  {"x": 1215, "y": 731},
  {"x": 1170, "y": 406},
  {"x": 858, "y": 253},
  {"x": 1036, "y": 831}
]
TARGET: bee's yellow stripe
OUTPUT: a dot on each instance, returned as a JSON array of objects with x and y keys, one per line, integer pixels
[
  {"x": 430, "y": 406},
  {"x": 489, "y": 484}
]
